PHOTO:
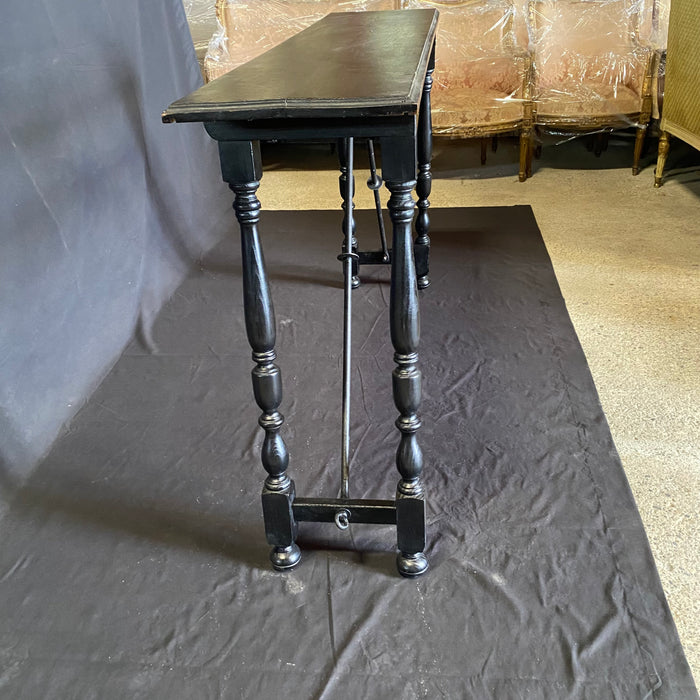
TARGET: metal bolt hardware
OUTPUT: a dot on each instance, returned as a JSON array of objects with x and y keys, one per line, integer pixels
[{"x": 342, "y": 519}]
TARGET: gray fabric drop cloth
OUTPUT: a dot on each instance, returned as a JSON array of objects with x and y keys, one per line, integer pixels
[{"x": 134, "y": 563}]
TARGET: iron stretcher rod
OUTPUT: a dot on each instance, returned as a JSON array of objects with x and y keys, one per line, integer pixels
[
  {"x": 348, "y": 256},
  {"x": 375, "y": 184}
]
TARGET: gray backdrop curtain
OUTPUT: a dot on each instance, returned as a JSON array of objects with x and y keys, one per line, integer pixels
[{"x": 103, "y": 208}]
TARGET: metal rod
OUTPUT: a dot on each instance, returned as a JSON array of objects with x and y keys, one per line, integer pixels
[
  {"x": 375, "y": 184},
  {"x": 347, "y": 323}
]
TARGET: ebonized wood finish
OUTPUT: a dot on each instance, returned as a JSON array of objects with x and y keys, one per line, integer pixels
[
  {"x": 424, "y": 185},
  {"x": 352, "y": 75},
  {"x": 355, "y": 64}
]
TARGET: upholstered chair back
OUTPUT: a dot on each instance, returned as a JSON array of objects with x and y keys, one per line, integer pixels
[
  {"x": 475, "y": 43},
  {"x": 251, "y": 27},
  {"x": 583, "y": 43}
]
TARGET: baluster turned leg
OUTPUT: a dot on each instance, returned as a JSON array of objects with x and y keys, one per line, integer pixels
[
  {"x": 242, "y": 169},
  {"x": 406, "y": 383},
  {"x": 348, "y": 206},
  {"x": 399, "y": 162},
  {"x": 424, "y": 184}
]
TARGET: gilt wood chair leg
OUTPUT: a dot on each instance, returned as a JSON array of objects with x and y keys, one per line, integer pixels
[
  {"x": 664, "y": 144},
  {"x": 638, "y": 147},
  {"x": 525, "y": 155}
]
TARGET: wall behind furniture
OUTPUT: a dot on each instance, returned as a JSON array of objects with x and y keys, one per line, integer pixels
[{"x": 103, "y": 208}]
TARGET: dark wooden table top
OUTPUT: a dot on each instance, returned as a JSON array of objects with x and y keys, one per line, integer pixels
[{"x": 349, "y": 64}]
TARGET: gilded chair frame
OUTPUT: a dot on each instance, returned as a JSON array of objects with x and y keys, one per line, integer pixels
[
  {"x": 523, "y": 125},
  {"x": 641, "y": 118}
]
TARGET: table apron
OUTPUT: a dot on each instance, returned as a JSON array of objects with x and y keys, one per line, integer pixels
[{"x": 311, "y": 129}]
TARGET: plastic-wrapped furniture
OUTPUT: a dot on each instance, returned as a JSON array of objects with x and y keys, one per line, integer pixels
[
  {"x": 248, "y": 29},
  {"x": 501, "y": 65},
  {"x": 482, "y": 70},
  {"x": 680, "y": 115},
  {"x": 590, "y": 70}
]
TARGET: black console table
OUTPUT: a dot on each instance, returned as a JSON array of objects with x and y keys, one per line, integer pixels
[{"x": 351, "y": 75}]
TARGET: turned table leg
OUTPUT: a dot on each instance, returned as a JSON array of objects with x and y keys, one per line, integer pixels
[
  {"x": 424, "y": 183},
  {"x": 242, "y": 169},
  {"x": 399, "y": 166}
]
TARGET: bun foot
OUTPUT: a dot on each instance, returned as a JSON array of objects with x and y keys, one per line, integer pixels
[
  {"x": 411, "y": 565},
  {"x": 285, "y": 558}
]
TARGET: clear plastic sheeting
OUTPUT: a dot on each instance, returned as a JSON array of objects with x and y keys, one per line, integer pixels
[
  {"x": 201, "y": 17},
  {"x": 653, "y": 30},
  {"x": 653, "y": 22},
  {"x": 482, "y": 66},
  {"x": 590, "y": 67},
  {"x": 247, "y": 29},
  {"x": 520, "y": 66}
]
